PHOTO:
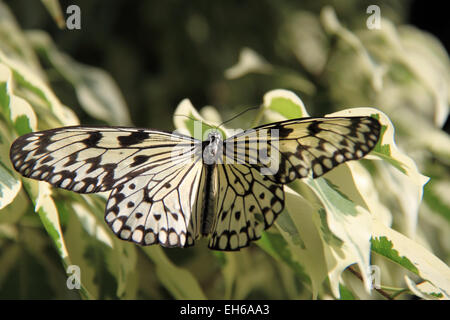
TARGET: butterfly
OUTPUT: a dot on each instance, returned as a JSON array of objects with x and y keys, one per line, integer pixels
[{"x": 172, "y": 189}]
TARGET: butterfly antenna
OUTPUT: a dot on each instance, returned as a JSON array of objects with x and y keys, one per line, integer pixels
[
  {"x": 193, "y": 119},
  {"x": 239, "y": 114}
]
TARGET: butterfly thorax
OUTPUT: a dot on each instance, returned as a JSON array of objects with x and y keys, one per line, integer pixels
[{"x": 212, "y": 148}]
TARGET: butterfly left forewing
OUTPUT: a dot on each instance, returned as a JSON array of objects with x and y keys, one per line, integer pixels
[
  {"x": 92, "y": 159},
  {"x": 154, "y": 176}
]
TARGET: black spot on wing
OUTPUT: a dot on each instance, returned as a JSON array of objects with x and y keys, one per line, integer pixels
[
  {"x": 108, "y": 180},
  {"x": 134, "y": 138},
  {"x": 313, "y": 128},
  {"x": 72, "y": 159},
  {"x": 284, "y": 132},
  {"x": 93, "y": 139},
  {"x": 147, "y": 197},
  {"x": 139, "y": 160}
]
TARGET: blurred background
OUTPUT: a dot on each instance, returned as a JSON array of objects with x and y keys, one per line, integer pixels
[
  {"x": 162, "y": 52},
  {"x": 226, "y": 55}
]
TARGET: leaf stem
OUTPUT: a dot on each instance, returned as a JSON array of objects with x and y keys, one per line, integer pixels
[{"x": 380, "y": 291}]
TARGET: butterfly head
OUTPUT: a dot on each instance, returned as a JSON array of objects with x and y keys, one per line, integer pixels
[{"x": 213, "y": 148}]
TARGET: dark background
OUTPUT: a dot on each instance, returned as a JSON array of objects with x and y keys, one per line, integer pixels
[
  {"x": 149, "y": 50},
  {"x": 432, "y": 18}
]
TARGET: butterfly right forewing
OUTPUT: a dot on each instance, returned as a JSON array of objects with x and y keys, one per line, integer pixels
[{"x": 291, "y": 149}]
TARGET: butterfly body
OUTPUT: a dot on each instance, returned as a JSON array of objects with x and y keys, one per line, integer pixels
[
  {"x": 172, "y": 189},
  {"x": 208, "y": 202},
  {"x": 212, "y": 148}
]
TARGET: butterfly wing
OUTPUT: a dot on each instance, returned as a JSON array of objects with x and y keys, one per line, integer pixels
[
  {"x": 288, "y": 150},
  {"x": 154, "y": 176},
  {"x": 246, "y": 203},
  {"x": 249, "y": 186},
  {"x": 157, "y": 179},
  {"x": 157, "y": 207}
]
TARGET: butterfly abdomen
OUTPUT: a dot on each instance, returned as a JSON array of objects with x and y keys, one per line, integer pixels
[{"x": 208, "y": 203}]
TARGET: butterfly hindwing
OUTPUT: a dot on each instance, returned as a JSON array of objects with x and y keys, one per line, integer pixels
[
  {"x": 246, "y": 204},
  {"x": 149, "y": 210}
]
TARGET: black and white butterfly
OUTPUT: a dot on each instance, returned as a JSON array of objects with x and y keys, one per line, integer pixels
[{"x": 170, "y": 189}]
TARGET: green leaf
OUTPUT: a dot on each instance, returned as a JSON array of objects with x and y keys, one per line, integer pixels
[
  {"x": 299, "y": 227},
  {"x": 275, "y": 245},
  {"x": 90, "y": 256},
  {"x": 284, "y": 103},
  {"x": 385, "y": 247},
  {"x": 410, "y": 255},
  {"x": 249, "y": 62},
  {"x": 54, "y": 9},
  {"x": 13, "y": 41},
  {"x": 178, "y": 281},
  {"x": 15, "y": 108},
  {"x": 425, "y": 290},
  {"x": 27, "y": 77},
  {"x": 9, "y": 186},
  {"x": 45, "y": 207},
  {"x": 345, "y": 294},
  {"x": 9, "y": 257},
  {"x": 351, "y": 48},
  {"x": 90, "y": 223},
  {"x": 189, "y": 122},
  {"x": 436, "y": 197},
  {"x": 96, "y": 90},
  {"x": 5, "y": 89},
  {"x": 349, "y": 223}
]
